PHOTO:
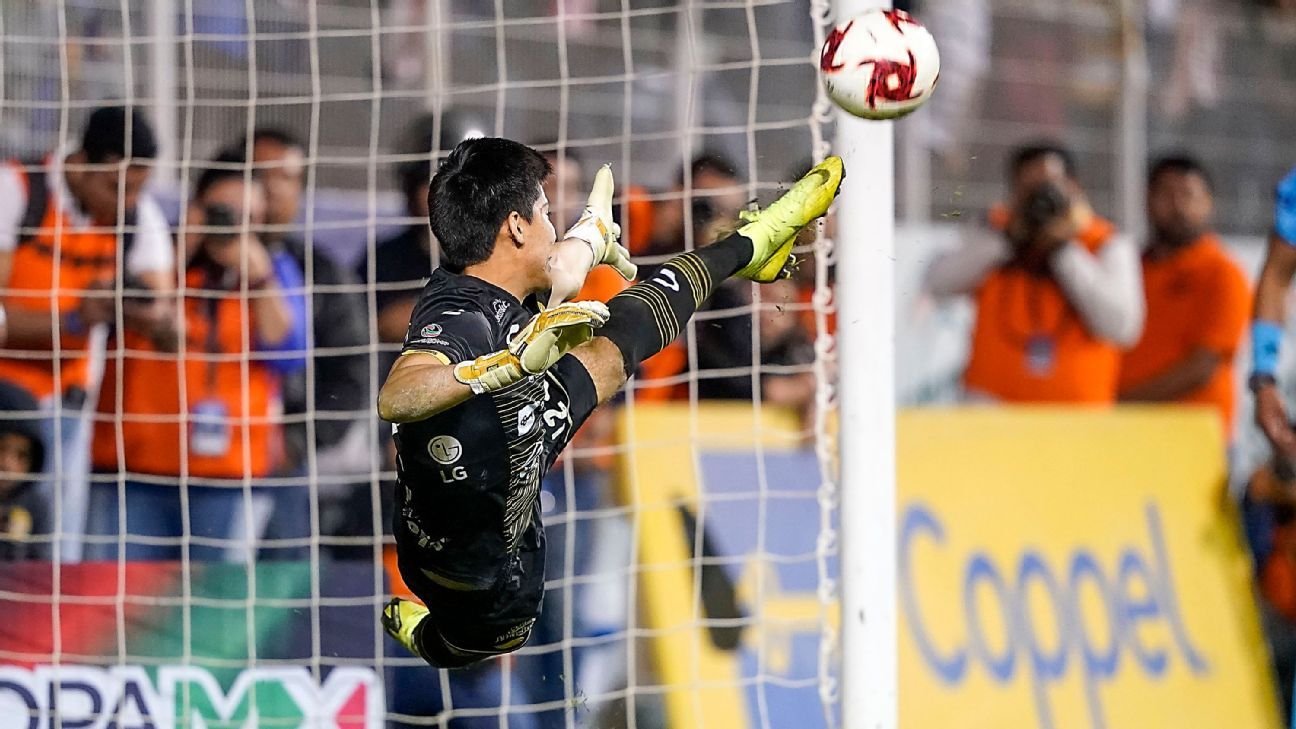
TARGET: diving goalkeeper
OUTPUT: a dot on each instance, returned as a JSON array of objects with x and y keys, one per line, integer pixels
[{"x": 490, "y": 387}]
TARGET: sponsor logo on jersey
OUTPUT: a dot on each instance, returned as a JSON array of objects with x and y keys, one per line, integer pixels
[
  {"x": 526, "y": 420},
  {"x": 445, "y": 449},
  {"x": 501, "y": 308},
  {"x": 431, "y": 330}
]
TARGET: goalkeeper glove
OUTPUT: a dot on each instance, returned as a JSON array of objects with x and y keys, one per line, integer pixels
[
  {"x": 597, "y": 228},
  {"x": 545, "y": 339}
]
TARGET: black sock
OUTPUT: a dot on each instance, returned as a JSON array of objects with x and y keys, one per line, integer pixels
[{"x": 649, "y": 315}]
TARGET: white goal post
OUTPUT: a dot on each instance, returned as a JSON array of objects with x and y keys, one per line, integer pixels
[{"x": 866, "y": 400}]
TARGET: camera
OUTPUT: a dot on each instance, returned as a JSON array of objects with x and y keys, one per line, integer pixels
[
  {"x": 1045, "y": 203},
  {"x": 217, "y": 215}
]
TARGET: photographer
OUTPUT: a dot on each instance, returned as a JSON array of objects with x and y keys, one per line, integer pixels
[
  {"x": 213, "y": 410},
  {"x": 77, "y": 228},
  {"x": 1058, "y": 291}
]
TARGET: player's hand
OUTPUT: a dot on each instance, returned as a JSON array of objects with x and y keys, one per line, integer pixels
[
  {"x": 597, "y": 228},
  {"x": 1285, "y": 208},
  {"x": 555, "y": 332},
  {"x": 1271, "y": 416},
  {"x": 545, "y": 339}
]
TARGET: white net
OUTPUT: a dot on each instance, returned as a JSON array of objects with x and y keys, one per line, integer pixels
[{"x": 223, "y": 559}]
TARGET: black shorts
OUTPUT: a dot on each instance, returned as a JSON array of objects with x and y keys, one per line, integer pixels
[{"x": 491, "y": 621}]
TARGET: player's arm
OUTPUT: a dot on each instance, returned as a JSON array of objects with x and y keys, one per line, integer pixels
[
  {"x": 424, "y": 382},
  {"x": 1268, "y": 318},
  {"x": 594, "y": 239},
  {"x": 420, "y": 385}
]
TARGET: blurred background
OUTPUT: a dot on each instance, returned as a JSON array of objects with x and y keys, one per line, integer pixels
[{"x": 320, "y": 122}]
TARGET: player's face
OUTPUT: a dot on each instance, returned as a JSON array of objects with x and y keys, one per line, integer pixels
[
  {"x": 1180, "y": 206},
  {"x": 539, "y": 238}
]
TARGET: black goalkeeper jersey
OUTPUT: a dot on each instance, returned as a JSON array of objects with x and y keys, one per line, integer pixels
[{"x": 468, "y": 478}]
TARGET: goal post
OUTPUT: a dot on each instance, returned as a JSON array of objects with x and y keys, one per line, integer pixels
[{"x": 866, "y": 351}]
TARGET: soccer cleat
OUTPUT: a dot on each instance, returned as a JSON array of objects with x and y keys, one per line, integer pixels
[
  {"x": 773, "y": 231},
  {"x": 400, "y": 618}
]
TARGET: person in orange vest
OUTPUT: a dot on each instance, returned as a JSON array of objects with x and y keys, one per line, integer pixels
[
  {"x": 78, "y": 236},
  {"x": 1198, "y": 299},
  {"x": 195, "y": 426},
  {"x": 1058, "y": 290}
]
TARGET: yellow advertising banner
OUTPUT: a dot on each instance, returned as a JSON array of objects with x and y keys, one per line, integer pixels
[
  {"x": 1058, "y": 569},
  {"x": 1073, "y": 569}
]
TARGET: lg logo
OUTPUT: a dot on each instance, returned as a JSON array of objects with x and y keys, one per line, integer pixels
[{"x": 447, "y": 450}]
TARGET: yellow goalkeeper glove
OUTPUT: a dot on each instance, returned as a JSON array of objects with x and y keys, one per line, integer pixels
[
  {"x": 545, "y": 339},
  {"x": 597, "y": 228}
]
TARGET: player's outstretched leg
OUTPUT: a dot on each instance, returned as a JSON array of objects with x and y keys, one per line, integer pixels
[
  {"x": 773, "y": 230},
  {"x": 647, "y": 316}
]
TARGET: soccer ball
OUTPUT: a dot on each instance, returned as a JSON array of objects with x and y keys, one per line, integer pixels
[{"x": 881, "y": 64}]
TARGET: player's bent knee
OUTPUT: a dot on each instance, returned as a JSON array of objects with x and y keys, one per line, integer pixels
[
  {"x": 605, "y": 364},
  {"x": 443, "y": 652}
]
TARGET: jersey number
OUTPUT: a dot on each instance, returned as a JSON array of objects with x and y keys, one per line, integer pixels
[{"x": 666, "y": 277}]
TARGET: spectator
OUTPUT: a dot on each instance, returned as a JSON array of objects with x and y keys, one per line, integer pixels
[
  {"x": 81, "y": 220},
  {"x": 1197, "y": 298},
  {"x": 340, "y": 332},
  {"x": 23, "y": 516},
  {"x": 714, "y": 197},
  {"x": 210, "y": 412},
  {"x": 1057, "y": 290},
  {"x": 782, "y": 364},
  {"x": 658, "y": 228}
]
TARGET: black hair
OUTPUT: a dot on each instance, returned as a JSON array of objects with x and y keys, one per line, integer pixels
[
  {"x": 711, "y": 162},
  {"x": 228, "y": 164},
  {"x": 474, "y": 191},
  {"x": 1182, "y": 163},
  {"x": 282, "y": 136},
  {"x": 1029, "y": 153},
  {"x": 105, "y": 137}
]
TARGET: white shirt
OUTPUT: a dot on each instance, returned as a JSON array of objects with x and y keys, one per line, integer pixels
[
  {"x": 1106, "y": 287},
  {"x": 151, "y": 250}
]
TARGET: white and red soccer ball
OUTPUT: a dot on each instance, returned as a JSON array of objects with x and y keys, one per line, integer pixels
[{"x": 881, "y": 64}]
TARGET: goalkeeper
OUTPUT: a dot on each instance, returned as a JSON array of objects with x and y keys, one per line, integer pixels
[{"x": 487, "y": 391}]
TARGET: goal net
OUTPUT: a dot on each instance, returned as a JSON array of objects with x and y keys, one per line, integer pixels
[{"x": 691, "y": 578}]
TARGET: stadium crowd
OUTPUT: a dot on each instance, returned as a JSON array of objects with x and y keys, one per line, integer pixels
[{"x": 156, "y": 398}]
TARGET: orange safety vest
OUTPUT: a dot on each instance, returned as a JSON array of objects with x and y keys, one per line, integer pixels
[
  {"x": 158, "y": 387},
  {"x": 1030, "y": 345},
  {"x": 54, "y": 261}
]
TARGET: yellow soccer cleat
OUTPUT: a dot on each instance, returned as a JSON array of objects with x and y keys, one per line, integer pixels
[
  {"x": 400, "y": 618},
  {"x": 773, "y": 230}
]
